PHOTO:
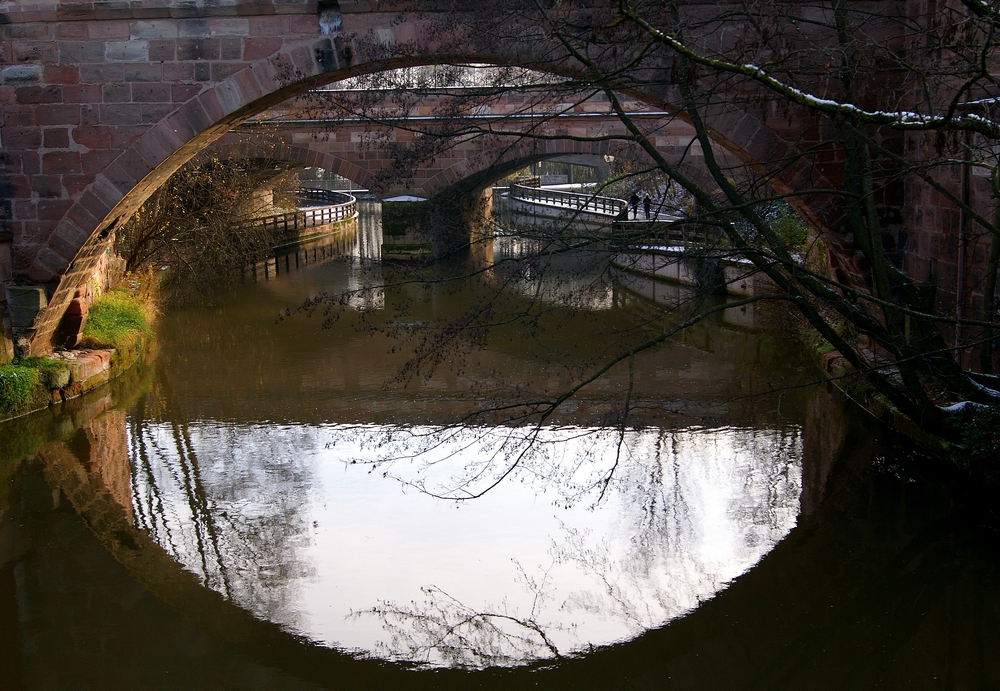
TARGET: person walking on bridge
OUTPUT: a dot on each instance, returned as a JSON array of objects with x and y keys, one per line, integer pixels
[
  {"x": 647, "y": 202},
  {"x": 634, "y": 201}
]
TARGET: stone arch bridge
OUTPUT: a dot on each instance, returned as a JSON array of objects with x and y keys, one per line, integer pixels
[
  {"x": 349, "y": 149},
  {"x": 103, "y": 99}
]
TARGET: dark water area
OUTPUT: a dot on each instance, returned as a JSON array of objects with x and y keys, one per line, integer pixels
[{"x": 268, "y": 505}]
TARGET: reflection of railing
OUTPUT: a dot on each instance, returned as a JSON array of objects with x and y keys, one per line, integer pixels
[
  {"x": 673, "y": 232},
  {"x": 331, "y": 206},
  {"x": 573, "y": 201}
]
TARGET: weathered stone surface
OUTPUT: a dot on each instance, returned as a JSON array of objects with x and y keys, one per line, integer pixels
[
  {"x": 24, "y": 303},
  {"x": 87, "y": 369}
]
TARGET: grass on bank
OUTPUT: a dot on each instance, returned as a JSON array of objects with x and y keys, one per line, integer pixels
[
  {"x": 116, "y": 320},
  {"x": 22, "y": 383}
]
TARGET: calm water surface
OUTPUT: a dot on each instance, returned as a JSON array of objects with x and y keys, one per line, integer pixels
[{"x": 271, "y": 506}]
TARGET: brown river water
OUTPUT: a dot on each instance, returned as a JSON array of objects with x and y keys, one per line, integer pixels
[{"x": 270, "y": 504}]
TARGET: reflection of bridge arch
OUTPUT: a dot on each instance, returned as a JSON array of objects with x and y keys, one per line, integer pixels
[
  {"x": 772, "y": 628},
  {"x": 192, "y": 83}
]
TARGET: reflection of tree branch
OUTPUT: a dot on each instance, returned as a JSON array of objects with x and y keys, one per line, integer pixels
[{"x": 460, "y": 635}]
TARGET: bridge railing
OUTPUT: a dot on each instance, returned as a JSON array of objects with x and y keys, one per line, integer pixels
[
  {"x": 331, "y": 206},
  {"x": 574, "y": 201},
  {"x": 322, "y": 196}
]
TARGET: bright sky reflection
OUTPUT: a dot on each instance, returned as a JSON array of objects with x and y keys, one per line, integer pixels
[{"x": 315, "y": 528}]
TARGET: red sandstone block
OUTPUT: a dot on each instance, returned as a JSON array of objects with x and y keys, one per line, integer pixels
[
  {"x": 178, "y": 72},
  {"x": 198, "y": 49},
  {"x": 152, "y": 150},
  {"x": 59, "y": 114},
  {"x": 25, "y": 210},
  {"x": 75, "y": 52},
  {"x": 104, "y": 30},
  {"x": 273, "y": 72},
  {"x": 258, "y": 48},
  {"x": 75, "y": 184},
  {"x": 53, "y": 209},
  {"x": 134, "y": 164},
  {"x": 124, "y": 136},
  {"x": 90, "y": 114},
  {"x": 62, "y": 246},
  {"x": 21, "y": 138},
  {"x": 26, "y": 162},
  {"x": 93, "y": 137},
  {"x": 230, "y": 48},
  {"x": 61, "y": 162},
  {"x": 143, "y": 72},
  {"x": 117, "y": 92},
  {"x": 102, "y": 73},
  {"x": 195, "y": 117},
  {"x": 19, "y": 116},
  {"x": 19, "y": 186},
  {"x": 35, "y": 52},
  {"x": 307, "y": 24},
  {"x": 245, "y": 8},
  {"x": 77, "y": 307},
  {"x": 152, "y": 113},
  {"x": 61, "y": 74},
  {"x": 73, "y": 12},
  {"x": 28, "y": 30},
  {"x": 100, "y": 197},
  {"x": 47, "y": 186},
  {"x": 150, "y": 93},
  {"x": 269, "y": 26},
  {"x": 304, "y": 60},
  {"x": 119, "y": 178},
  {"x": 163, "y": 50},
  {"x": 71, "y": 30},
  {"x": 39, "y": 94},
  {"x": 165, "y": 137},
  {"x": 120, "y": 114},
  {"x": 55, "y": 138},
  {"x": 81, "y": 217},
  {"x": 224, "y": 70},
  {"x": 210, "y": 103},
  {"x": 181, "y": 93},
  {"x": 48, "y": 264}
]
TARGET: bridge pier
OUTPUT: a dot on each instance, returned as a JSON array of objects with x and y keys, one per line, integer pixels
[{"x": 425, "y": 229}]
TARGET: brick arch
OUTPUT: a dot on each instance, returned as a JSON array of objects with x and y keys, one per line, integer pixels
[{"x": 275, "y": 63}]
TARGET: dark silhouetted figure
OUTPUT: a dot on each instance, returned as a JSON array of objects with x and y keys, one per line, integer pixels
[
  {"x": 646, "y": 203},
  {"x": 634, "y": 201}
]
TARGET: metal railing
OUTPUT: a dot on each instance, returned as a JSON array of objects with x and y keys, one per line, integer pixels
[
  {"x": 572, "y": 201},
  {"x": 329, "y": 206}
]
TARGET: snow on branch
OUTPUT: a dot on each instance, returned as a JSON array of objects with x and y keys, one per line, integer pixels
[{"x": 906, "y": 120}]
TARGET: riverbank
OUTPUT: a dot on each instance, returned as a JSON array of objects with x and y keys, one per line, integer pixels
[{"x": 116, "y": 334}]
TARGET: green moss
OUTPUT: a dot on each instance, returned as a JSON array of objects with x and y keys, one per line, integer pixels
[
  {"x": 116, "y": 320},
  {"x": 17, "y": 383},
  {"x": 40, "y": 362},
  {"x": 24, "y": 384}
]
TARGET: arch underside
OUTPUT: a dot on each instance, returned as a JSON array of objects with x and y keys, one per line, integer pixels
[{"x": 66, "y": 256}]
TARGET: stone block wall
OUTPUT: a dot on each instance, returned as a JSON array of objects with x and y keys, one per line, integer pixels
[{"x": 6, "y": 274}]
